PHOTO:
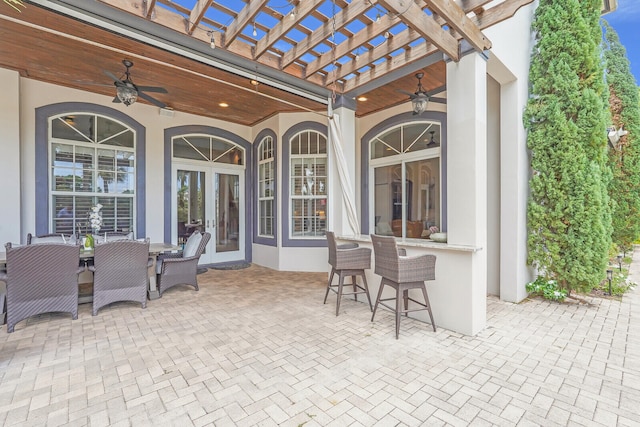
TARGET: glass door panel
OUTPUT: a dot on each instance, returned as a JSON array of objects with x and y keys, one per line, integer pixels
[
  {"x": 227, "y": 195},
  {"x": 191, "y": 203}
]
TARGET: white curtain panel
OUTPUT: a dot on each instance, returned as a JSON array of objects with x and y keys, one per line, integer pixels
[{"x": 335, "y": 136}]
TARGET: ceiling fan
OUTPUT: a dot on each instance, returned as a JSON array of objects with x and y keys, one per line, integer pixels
[
  {"x": 127, "y": 92},
  {"x": 419, "y": 98}
]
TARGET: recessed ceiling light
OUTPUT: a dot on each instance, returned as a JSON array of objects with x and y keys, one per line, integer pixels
[
  {"x": 223, "y": 104},
  {"x": 362, "y": 98}
]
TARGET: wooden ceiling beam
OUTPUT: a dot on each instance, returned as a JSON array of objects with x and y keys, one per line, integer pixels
[
  {"x": 246, "y": 15},
  {"x": 323, "y": 33},
  {"x": 412, "y": 15},
  {"x": 284, "y": 26},
  {"x": 458, "y": 19},
  {"x": 487, "y": 19},
  {"x": 198, "y": 11}
]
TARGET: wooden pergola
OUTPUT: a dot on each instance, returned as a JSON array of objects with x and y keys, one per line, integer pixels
[{"x": 299, "y": 51}]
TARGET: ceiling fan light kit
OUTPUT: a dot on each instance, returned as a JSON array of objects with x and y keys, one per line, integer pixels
[
  {"x": 127, "y": 92},
  {"x": 420, "y": 99}
]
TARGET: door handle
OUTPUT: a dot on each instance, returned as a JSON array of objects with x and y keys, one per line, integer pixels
[{"x": 207, "y": 223}]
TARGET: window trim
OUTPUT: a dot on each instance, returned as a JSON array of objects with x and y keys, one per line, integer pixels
[
  {"x": 286, "y": 182},
  {"x": 42, "y": 167},
  {"x": 257, "y": 142},
  {"x": 365, "y": 160}
]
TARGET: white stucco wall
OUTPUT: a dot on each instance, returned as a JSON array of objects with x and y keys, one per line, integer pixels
[
  {"x": 509, "y": 66},
  {"x": 10, "y": 190},
  {"x": 36, "y": 94}
]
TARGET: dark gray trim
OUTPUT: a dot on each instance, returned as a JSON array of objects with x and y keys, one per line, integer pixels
[
  {"x": 465, "y": 48},
  {"x": 286, "y": 155},
  {"x": 269, "y": 241},
  {"x": 345, "y": 102},
  {"x": 169, "y": 133},
  {"x": 364, "y": 159},
  {"x": 42, "y": 158}
]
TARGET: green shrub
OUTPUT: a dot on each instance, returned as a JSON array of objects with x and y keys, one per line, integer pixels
[{"x": 546, "y": 288}]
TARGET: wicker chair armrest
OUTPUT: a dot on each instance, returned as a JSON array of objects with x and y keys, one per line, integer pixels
[
  {"x": 169, "y": 255},
  {"x": 92, "y": 268},
  {"x": 175, "y": 266},
  {"x": 80, "y": 270},
  {"x": 417, "y": 268},
  {"x": 348, "y": 246},
  {"x": 3, "y": 276}
]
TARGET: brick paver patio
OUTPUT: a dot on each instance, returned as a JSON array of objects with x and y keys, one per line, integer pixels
[{"x": 256, "y": 347}]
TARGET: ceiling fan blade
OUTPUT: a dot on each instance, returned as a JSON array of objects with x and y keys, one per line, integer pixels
[
  {"x": 152, "y": 89},
  {"x": 151, "y": 100},
  {"x": 411, "y": 95},
  {"x": 112, "y": 76}
]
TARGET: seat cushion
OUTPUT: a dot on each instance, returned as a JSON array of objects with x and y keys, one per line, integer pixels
[{"x": 191, "y": 247}]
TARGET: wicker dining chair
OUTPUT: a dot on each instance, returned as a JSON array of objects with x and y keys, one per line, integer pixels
[
  {"x": 182, "y": 268},
  {"x": 120, "y": 272},
  {"x": 402, "y": 273},
  {"x": 51, "y": 238},
  {"x": 347, "y": 260},
  {"x": 40, "y": 279}
]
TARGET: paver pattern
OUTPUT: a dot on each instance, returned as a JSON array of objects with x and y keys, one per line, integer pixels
[{"x": 257, "y": 347}]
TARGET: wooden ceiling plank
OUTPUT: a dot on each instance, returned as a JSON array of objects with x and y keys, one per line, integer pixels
[
  {"x": 284, "y": 26},
  {"x": 322, "y": 33},
  {"x": 246, "y": 15},
  {"x": 414, "y": 17},
  {"x": 198, "y": 11},
  {"x": 458, "y": 19},
  {"x": 149, "y": 7}
]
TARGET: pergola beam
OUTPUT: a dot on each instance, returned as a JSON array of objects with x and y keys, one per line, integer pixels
[
  {"x": 305, "y": 8},
  {"x": 458, "y": 19},
  {"x": 412, "y": 15},
  {"x": 149, "y": 6},
  {"x": 489, "y": 18},
  {"x": 323, "y": 33},
  {"x": 198, "y": 11},
  {"x": 246, "y": 15}
]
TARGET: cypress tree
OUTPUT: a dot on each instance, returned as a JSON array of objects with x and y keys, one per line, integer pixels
[
  {"x": 624, "y": 156},
  {"x": 568, "y": 211}
]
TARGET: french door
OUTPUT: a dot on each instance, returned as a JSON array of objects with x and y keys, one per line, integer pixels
[{"x": 210, "y": 199}]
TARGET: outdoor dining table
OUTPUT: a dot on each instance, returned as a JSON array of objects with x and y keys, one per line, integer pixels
[{"x": 155, "y": 249}]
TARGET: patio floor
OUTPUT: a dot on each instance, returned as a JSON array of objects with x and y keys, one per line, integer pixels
[{"x": 257, "y": 347}]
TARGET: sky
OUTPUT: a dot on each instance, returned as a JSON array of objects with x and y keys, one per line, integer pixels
[{"x": 626, "y": 22}]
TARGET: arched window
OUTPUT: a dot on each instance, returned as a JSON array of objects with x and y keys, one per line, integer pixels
[
  {"x": 92, "y": 160},
  {"x": 405, "y": 171},
  {"x": 307, "y": 185},
  {"x": 266, "y": 187}
]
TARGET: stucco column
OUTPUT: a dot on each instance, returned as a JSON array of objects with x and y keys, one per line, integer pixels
[
  {"x": 10, "y": 223},
  {"x": 467, "y": 177},
  {"x": 338, "y": 221}
]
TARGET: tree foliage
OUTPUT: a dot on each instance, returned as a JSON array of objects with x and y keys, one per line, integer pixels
[
  {"x": 624, "y": 157},
  {"x": 568, "y": 211}
]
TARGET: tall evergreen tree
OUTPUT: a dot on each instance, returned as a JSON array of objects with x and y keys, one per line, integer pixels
[
  {"x": 624, "y": 157},
  {"x": 568, "y": 210}
]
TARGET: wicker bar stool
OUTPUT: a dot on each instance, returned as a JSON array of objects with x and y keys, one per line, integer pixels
[
  {"x": 402, "y": 273},
  {"x": 347, "y": 260}
]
